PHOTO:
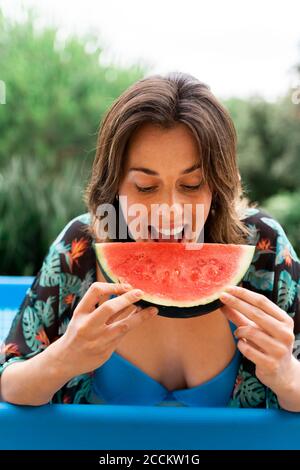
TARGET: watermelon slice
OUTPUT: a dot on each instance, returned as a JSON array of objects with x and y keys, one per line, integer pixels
[{"x": 180, "y": 281}]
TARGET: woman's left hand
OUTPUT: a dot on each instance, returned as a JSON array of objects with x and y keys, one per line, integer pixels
[{"x": 268, "y": 331}]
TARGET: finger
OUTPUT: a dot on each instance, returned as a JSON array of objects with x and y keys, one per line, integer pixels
[
  {"x": 252, "y": 353},
  {"x": 260, "y": 339},
  {"x": 123, "y": 314},
  {"x": 258, "y": 300},
  {"x": 97, "y": 291},
  {"x": 268, "y": 323},
  {"x": 113, "y": 306},
  {"x": 235, "y": 317},
  {"x": 121, "y": 327},
  {"x": 248, "y": 341}
]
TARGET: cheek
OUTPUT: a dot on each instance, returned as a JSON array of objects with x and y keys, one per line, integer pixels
[
  {"x": 132, "y": 200},
  {"x": 205, "y": 199}
]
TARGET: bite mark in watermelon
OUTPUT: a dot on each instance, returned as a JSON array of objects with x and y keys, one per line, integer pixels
[{"x": 180, "y": 281}]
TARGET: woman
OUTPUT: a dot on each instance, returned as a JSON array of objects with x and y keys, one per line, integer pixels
[{"x": 164, "y": 140}]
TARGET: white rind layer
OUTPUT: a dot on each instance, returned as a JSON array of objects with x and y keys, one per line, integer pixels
[{"x": 245, "y": 261}]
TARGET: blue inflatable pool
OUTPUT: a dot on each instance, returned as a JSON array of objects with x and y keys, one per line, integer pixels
[{"x": 128, "y": 427}]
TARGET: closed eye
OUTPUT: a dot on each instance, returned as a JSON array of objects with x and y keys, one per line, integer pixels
[
  {"x": 192, "y": 188},
  {"x": 145, "y": 189},
  {"x": 152, "y": 188}
]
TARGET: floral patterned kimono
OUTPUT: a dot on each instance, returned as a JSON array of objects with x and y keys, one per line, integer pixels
[{"x": 69, "y": 268}]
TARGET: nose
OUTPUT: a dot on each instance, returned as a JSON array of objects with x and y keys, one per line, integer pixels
[
  {"x": 171, "y": 197},
  {"x": 174, "y": 216}
]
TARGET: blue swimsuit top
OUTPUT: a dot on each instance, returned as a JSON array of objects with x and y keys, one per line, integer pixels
[{"x": 119, "y": 382}]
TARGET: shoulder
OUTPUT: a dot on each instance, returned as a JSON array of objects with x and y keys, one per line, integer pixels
[
  {"x": 269, "y": 236},
  {"x": 75, "y": 229},
  {"x": 275, "y": 259},
  {"x": 264, "y": 228},
  {"x": 266, "y": 232},
  {"x": 73, "y": 248}
]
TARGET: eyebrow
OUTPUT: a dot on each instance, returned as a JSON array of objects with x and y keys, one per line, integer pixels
[{"x": 148, "y": 171}]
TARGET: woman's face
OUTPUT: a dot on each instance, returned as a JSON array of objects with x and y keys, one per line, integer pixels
[{"x": 161, "y": 168}]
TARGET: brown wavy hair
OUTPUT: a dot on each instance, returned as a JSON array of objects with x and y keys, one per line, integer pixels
[{"x": 167, "y": 100}]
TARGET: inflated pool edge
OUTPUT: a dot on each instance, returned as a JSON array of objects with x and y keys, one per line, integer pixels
[{"x": 97, "y": 427}]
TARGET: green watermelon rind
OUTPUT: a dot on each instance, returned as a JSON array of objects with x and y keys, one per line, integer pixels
[{"x": 245, "y": 261}]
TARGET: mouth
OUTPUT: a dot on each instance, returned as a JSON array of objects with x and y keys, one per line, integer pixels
[{"x": 174, "y": 235}]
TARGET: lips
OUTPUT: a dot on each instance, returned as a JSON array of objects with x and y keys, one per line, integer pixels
[{"x": 171, "y": 236}]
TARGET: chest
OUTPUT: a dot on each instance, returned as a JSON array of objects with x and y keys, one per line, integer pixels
[{"x": 179, "y": 352}]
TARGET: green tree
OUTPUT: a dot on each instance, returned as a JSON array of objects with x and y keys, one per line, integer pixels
[
  {"x": 56, "y": 92},
  {"x": 56, "y": 95},
  {"x": 269, "y": 156}
]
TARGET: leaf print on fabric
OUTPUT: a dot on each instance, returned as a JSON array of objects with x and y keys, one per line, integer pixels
[
  {"x": 284, "y": 251},
  {"x": 30, "y": 294},
  {"x": 50, "y": 271},
  {"x": 296, "y": 346},
  {"x": 254, "y": 234},
  {"x": 87, "y": 281},
  {"x": 84, "y": 218},
  {"x": 62, "y": 248},
  {"x": 263, "y": 245},
  {"x": 69, "y": 284},
  {"x": 234, "y": 403},
  {"x": 75, "y": 381},
  {"x": 272, "y": 400},
  {"x": 16, "y": 319},
  {"x": 63, "y": 326},
  {"x": 260, "y": 279},
  {"x": 44, "y": 311},
  {"x": 255, "y": 256},
  {"x": 287, "y": 290},
  {"x": 83, "y": 395},
  {"x": 249, "y": 391},
  {"x": 31, "y": 325},
  {"x": 252, "y": 211}
]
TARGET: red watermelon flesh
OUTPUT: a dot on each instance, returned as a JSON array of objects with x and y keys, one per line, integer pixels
[{"x": 173, "y": 274}]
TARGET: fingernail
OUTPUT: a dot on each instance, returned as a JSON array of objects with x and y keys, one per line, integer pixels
[
  {"x": 137, "y": 310},
  {"x": 138, "y": 293},
  {"x": 229, "y": 288},
  {"x": 127, "y": 286},
  {"x": 225, "y": 296},
  {"x": 153, "y": 310}
]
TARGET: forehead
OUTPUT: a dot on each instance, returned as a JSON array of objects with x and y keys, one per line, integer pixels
[{"x": 150, "y": 141}]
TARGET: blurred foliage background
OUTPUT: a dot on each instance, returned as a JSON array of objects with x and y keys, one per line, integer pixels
[{"x": 56, "y": 94}]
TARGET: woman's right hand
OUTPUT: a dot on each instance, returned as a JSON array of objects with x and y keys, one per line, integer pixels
[{"x": 94, "y": 332}]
